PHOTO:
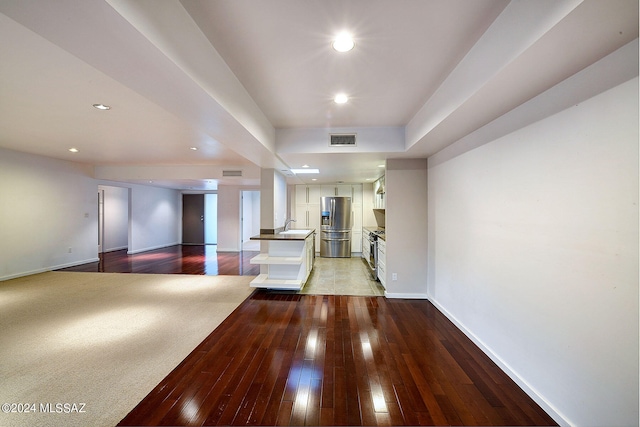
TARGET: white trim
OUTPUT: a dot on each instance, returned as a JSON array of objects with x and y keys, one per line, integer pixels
[
  {"x": 523, "y": 384},
  {"x": 116, "y": 249},
  {"x": 152, "y": 248},
  {"x": 405, "y": 296},
  {"x": 47, "y": 269}
]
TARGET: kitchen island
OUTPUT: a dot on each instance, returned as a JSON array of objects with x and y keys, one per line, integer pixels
[{"x": 287, "y": 261}]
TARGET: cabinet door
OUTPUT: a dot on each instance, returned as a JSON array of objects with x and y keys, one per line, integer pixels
[
  {"x": 356, "y": 190},
  {"x": 314, "y": 194},
  {"x": 356, "y": 217},
  {"x": 301, "y": 216},
  {"x": 302, "y": 194},
  {"x": 344, "y": 190},
  {"x": 327, "y": 190},
  {"x": 356, "y": 241},
  {"x": 365, "y": 247},
  {"x": 382, "y": 263},
  {"x": 313, "y": 210}
]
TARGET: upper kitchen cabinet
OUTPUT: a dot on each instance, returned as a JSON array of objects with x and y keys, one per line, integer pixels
[
  {"x": 345, "y": 190},
  {"x": 379, "y": 193},
  {"x": 307, "y": 208},
  {"x": 307, "y": 194}
]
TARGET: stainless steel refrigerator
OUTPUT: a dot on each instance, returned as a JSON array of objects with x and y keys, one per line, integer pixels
[{"x": 335, "y": 227}]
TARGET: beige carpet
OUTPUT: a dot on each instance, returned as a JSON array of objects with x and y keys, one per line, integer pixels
[{"x": 100, "y": 341}]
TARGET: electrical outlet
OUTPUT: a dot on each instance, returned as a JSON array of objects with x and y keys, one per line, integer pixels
[
  {"x": 70, "y": 250},
  {"x": 394, "y": 276}
]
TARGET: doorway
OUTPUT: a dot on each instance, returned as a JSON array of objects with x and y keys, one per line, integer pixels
[
  {"x": 113, "y": 218},
  {"x": 200, "y": 219},
  {"x": 250, "y": 219}
]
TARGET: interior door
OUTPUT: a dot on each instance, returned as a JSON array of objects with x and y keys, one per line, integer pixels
[{"x": 193, "y": 219}]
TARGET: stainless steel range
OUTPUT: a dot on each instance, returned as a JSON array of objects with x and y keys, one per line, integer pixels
[{"x": 373, "y": 251}]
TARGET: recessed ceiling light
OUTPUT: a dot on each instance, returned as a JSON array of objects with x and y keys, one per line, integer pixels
[
  {"x": 343, "y": 42},
  {"x": 340, "y": 98},
  {"x": 193, "y": 148},
  {"x": 381, "y": 166},
  {"x": 101, "y": 107},
  {"x": 299, "y": 171},
  {"x": 314, "y": 179},
  {"x": 73, "y": 150},
  {"x": 305, "y": 166}
]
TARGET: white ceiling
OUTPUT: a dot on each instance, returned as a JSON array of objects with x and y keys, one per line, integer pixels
[{"x": 250, "y": 83}]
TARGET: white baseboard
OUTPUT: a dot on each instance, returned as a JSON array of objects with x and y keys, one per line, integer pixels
[
  {"x": 45, "y": 269},
  {"x": 151, "y": 248},
  {"x": 405, "y": 296},
  {"x": 119, "y": 248},
  {"x": 523, "y": 384}
]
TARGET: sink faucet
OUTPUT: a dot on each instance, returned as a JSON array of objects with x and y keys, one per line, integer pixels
[{"x": 287, "y": 223}]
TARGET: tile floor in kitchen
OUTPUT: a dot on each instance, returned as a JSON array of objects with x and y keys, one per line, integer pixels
[{"x": 341, "y": 276}]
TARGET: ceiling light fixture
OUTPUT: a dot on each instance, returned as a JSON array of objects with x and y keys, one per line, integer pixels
[
  {"x": 102, "y": 107},
  {"x": 73, "y": 150},
  {"x": 343, "y": 43},
  {"x": 340, "y": 98},
  {"x": 308, "y": 170},
  {"x": 193, "y": 148}
]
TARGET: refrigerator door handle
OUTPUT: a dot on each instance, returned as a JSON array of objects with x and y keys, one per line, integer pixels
[{"x": 333, "y": 211}]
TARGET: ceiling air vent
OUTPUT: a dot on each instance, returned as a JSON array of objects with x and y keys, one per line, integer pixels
[
  {"x": 343, "y": 140},
  {"x": 231, "y": 173}
]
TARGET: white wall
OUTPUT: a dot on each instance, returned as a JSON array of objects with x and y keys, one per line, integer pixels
[
  {"x": 280, "y": 199},
  {"x": 534, "y": 253},
  {"x": 250, "y": 214},
  {"x": 155, "y": 218},
  {"x": 406, "y": 228},
  {"x": 48, "y": 214},
  {"x": 368, "y": 219},
  {"x": 273, "y": 199},
  {"x": 211, "y": 218},
  {"x": 116, "y": 218},
  {"x": 229, "y": 218}
]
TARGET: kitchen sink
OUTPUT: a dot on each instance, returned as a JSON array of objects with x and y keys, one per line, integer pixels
[{"x": 295, "y": 232}]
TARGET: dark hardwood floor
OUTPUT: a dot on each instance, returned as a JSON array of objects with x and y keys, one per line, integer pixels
[
  {"x": 287, "y": 359},
  {"x": 178, "y": 259}
]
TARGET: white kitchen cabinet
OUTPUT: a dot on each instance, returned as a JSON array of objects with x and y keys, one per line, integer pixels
[
  {"x": 307, "y": 213},
  {"x": 307, "y": 209},
  {"x": 366, "y": 250},
  {"x": 356, "y": 194},
  {"x": 379, "y": 193},
  {"x": 344, "y": 190},
  {"x": 382, "y": 262},
  {"x": 288, "y": 263},
  {"x": 308, "y": 216},
  {"x": 356, "y": 228},
  {"x": 307, "y": 194},
  {"x": 328, "y": 191},
  {"x": 302, "y": 195}
]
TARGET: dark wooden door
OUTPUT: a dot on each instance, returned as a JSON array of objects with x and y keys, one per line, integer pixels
[{"x": 193, "y": 219}]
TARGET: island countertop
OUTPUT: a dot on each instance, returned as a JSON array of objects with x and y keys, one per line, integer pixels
[{"x": 289, "y": 235}]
